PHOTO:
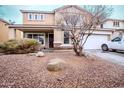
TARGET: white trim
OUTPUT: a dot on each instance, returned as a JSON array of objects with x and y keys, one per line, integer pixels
[
  {"x": 66, "y": 46},
  {"x": 38, "y": 17},
  {"x": 58, "y": 42},
  {"x": 43, "y": 17},
  {"x": 48, "y": 38},
  {"x": 31, "y": 15},
  {"x": 38, "y": 33},
  {"x": 22, "y": 34}
]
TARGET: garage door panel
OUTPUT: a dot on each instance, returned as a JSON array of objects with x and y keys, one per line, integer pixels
[{"x": 95, "y": 41}]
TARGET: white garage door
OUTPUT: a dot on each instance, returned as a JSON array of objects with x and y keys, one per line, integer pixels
[{"x": 95, "y": 41}]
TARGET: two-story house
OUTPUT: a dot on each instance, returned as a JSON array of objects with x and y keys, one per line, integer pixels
[{"x": 41, "y": 25}]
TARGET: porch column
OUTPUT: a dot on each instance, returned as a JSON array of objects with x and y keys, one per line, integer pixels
[
  {"x": 58, "y": 38},
  {"x": 11, "y": 33},
  {"x": 19, "y": 34}
]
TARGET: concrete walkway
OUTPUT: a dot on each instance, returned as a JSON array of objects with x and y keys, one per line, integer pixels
[{"x": 115, "y": 57}]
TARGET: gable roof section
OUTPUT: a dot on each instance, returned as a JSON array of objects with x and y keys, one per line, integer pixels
[
  {"x": 68, "y": 6},
  {"x": 55, "y": 10},
  {"x": 35, "y": 11}
]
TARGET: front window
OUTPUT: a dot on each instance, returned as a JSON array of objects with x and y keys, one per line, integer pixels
[
  {"x": 66, "y": 37},
  {"x": 29, "y": 36},
  {"x": 39, "y": 37}
]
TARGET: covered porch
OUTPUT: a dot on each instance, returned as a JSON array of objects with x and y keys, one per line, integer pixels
[{"x": 43, "y": 34}]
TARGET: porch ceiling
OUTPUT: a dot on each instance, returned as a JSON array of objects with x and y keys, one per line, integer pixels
[{"x": 30, "y": 27}]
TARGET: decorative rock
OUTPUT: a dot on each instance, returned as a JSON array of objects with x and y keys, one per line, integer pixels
[
  {"x": 40, "y": 54},
  {"x": 56, "y": 64}
]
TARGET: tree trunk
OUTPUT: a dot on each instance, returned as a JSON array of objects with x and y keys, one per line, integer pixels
[{"x": 78, "y": 50}]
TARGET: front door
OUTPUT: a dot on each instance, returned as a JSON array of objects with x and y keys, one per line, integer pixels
[{"x": 51, "y": 40}]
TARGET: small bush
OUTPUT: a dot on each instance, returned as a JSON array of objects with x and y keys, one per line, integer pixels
[{"x": 20, "y": 46}]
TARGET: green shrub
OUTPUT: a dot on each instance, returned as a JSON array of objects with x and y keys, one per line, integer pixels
[
  {"x": 2, "y": 47},
  {"x": 20, "y": 46}
]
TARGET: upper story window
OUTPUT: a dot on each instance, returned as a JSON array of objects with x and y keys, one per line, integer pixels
[
  {"x": 116, "y": 24},
  {"x": 34, "y": 16},
  {"x": 41, "y": 17},
  {"x": 30, "y": 16}
]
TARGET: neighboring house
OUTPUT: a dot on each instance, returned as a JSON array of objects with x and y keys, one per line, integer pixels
[
  {"x": 7, "y": 33},
  {"x": 41, "y": 25},
  {"x": 4, "y": 30}
]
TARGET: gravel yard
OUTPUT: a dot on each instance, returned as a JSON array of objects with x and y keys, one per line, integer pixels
[{"x": 23, "y": 70}]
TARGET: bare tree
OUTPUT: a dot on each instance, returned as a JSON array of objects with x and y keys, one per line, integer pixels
[{"x": 81, "y": 25}]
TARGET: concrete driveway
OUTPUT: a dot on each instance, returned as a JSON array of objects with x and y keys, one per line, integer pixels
[{"x": 115, "y": 57}]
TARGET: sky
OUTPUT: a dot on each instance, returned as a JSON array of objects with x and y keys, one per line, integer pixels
[{"x": 12, "y": 12}]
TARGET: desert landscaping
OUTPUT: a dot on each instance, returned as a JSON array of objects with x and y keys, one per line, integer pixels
[{"x": 29, "y": 71}]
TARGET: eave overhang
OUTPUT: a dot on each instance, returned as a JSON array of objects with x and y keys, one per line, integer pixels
[{"x": 24, "y": 27}]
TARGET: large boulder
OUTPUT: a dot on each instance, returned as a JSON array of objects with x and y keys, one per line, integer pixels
[
  {"x": 40, "y": 54},
  {"x": 56, "y": 64}
]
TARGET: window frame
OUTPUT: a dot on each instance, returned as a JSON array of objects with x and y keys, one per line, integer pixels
[
  {"x": 30, "y": 15},
  {"x": 42, "y": 17},
  {"x": 35, "y": 16},
  {"x": 42, "y": 34},
  {"x": 116, "y": 23},
  {"x": 66, "y": 38}
]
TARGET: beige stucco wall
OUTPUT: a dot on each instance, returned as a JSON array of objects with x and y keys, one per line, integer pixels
[
  {"x": 15, "y": 34},
  {"x": 4, "y": 32},
  {"x": 7, "y": 33},
  {"x": 48, "y": 19}
]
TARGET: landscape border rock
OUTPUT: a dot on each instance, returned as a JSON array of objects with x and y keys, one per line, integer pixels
[{"x": 40, "y": 54}]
